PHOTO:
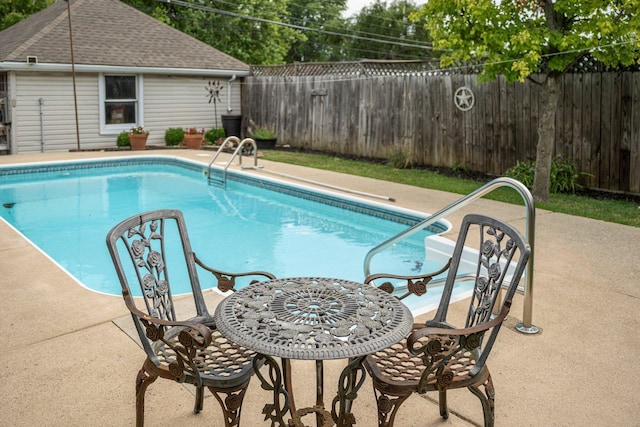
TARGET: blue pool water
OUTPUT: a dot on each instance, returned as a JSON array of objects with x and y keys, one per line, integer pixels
[{"x": 67, "y": 209}]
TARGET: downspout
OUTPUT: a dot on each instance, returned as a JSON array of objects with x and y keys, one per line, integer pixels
[
  {"x": 231, "y": 80},
  {"x": 41, "y": 100}
]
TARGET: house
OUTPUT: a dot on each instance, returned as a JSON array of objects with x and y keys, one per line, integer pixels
[{"x": 125, "y": 69}]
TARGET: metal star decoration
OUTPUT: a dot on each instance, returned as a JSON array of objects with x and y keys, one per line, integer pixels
[{"x": 464, "y": 98}]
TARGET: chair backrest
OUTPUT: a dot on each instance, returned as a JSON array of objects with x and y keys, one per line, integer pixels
[
  {"x": 498, "y": 263},
  {"x": 495, "y": 268},
  {"x": 149, "y": 240}
]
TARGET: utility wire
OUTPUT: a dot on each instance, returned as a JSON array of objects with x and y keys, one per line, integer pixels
[
  {"x": 351, "y": 31},
  {"x": 331, "y": 46},
  {"x": 294, "y": 26}
]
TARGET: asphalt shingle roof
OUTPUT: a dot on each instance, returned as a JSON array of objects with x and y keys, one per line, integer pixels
[{"x": 111, "y": 33}]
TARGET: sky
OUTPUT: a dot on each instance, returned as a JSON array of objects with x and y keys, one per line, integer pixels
[{"x": 354, "y": 6}]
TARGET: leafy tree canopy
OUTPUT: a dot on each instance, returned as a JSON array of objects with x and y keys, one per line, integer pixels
[
  {"x": 14, "y": 11},
  {"x": 380, "y": 21},
  {"x": 519, "y": 37},
  {"x": 324, "y": 20},
  {"x": 248, "y": 31}
]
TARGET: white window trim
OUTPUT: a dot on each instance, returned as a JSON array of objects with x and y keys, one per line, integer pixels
[{"x": 115, "y": 129}]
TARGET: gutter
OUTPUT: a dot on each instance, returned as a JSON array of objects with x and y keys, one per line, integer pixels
[
  {"x": 231, "y": 80},
  {"x": 51, "y": 67}
]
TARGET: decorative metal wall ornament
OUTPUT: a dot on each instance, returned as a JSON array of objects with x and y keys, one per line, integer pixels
[
  {"x": 464, "y": 98},
  {"x": 213, "y": 92}
]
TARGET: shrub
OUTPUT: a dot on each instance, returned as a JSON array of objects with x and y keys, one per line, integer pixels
[
  {"x": 173, "y": 136},
  {"x": 123, "y": 139},
  {"x": 264, "y": 133},
  {"x": 563, "y": 175},
  {"x": 400, "y": 159},
  {"x": 523, "y": 172},
  {"x": 214, "y": 134}
]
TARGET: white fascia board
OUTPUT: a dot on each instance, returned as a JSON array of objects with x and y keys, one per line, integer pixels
[{"x": 80, "y": 68}]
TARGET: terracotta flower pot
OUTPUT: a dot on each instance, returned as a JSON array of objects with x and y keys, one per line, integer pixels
[
  {"x": 193, "y": 142},
  {"x": 138, "y": 141}
]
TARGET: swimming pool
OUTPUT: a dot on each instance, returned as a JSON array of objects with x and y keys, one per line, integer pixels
[{"x": 256, "y": 223}]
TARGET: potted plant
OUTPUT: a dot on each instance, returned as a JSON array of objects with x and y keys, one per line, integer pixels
[
  {"x": 193, "y": 138},
  {"x": 264, "y": 137},
  {"x": 138, "y": 137}
]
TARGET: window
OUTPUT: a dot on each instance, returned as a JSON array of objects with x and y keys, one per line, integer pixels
[{"x": 121, "y": 102}]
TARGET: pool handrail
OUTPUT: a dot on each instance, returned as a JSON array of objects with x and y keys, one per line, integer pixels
[
  {"x": 241, "y": 144},
  {"x": 526, "y": 326}
]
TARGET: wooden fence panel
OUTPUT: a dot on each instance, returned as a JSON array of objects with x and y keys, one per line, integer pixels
[
  {"x": 564, "y": 118},
  {"x": 593, "y": 136},
  {"x": 597, "y": 122},
  {"x": 634, "y": 137},
  {"x": 610, "y": 93}
]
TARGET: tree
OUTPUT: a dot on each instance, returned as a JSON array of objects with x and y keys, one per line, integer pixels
[
  {"x": 390, "y": 23},
  {"x": 323, "y": 19},
  {"x": 536, "y": 39},
  {"x": 14, "y": 11},
  {"x": 249, "y": 31}
]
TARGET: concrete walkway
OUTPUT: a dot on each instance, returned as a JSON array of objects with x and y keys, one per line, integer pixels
[{"x": 67, "y": 362}]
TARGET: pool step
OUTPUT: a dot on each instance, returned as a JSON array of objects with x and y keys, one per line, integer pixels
[{"x": 216, "y": 180}]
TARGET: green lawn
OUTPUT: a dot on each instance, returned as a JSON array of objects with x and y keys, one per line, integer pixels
[{"x": 617, "y": 211}]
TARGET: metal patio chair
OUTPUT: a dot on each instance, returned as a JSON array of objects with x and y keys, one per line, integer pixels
[
  {"x": 437, "y": 356},
  {"x": 184, "y": 350}
]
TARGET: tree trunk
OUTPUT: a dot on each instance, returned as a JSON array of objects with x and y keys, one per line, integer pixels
[{"x": 546, "y": 137}]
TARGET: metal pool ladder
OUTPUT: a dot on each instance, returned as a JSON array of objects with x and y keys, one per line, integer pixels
[
  {"x": 526, "y": 326},
  {"x": 231, "y": 141}
]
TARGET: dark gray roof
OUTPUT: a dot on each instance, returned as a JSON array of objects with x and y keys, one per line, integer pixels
[{"x": 111, "y": 33}]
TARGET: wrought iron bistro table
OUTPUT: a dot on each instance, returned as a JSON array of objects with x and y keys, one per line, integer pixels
[{"x": 310, "y": 318}]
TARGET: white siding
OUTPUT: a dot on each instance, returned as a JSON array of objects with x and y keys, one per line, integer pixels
[
  {"x": 169, "y": 101},
  {"x": 182, "y": 101},
  {"x": 58, "y": 129}
]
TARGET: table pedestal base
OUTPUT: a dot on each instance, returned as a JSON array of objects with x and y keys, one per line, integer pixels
[
  {"x": 273, "y": 382},
  {"x": 323, "y": 417},
  {"x": 278, "y": 381},
  {"x": 351, "y": 380}
]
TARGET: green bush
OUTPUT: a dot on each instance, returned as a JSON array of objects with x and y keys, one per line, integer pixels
[
  {"x": 264, "y": 133},
  {"x": 123, "y": 139},
  {"x": 214, "y": 134},
  {"x": 523, "y": 172},
  {"x": 400, "y": 159},
  {"x": 563, "y": 175},
  {"x": 173, "y": 136}
]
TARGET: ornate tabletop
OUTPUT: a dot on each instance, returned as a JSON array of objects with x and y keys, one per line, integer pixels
[{"x": 313, "y": 318}]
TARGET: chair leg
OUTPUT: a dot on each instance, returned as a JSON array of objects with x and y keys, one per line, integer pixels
[
  {"x": 143, "y": 380},
  {"x": 199, "y": 399},
  {"x": 231, "y": 403},
  {"x": 487, "y": 399},
  {"x": 442, "y": 402},
  {"x": 388, "y": 407}
]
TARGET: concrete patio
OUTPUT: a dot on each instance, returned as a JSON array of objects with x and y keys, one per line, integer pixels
[{"x": 69, "y": 361}]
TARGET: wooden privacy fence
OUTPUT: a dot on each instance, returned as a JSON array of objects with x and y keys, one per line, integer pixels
[{"x": 375, "y": 116}]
